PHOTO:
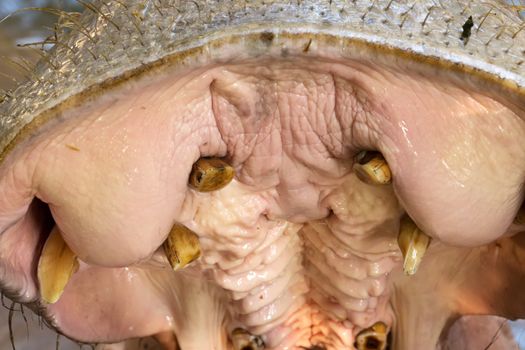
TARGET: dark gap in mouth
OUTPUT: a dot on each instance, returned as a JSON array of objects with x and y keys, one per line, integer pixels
[
  {"x": 372, "y": 343},
  {"x": 317, "y": 347},
  {"x": 364, "y": 157},
  {"x": 42, "y": 215},
  {"x": 520, "y": 216}
]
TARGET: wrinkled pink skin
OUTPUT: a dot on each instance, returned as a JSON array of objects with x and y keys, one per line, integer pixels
[{"x": 296, "y": 248}]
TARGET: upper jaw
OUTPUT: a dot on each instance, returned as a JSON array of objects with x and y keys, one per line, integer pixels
[{"x": 254, "y": 29}]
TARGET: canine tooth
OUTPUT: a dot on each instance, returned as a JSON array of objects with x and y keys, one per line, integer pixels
[
  {"x": 413, "y": 244},
  {"x": 372, "y": 338},
  {"x": 56, "y": 266},
  {"x": 210, "y": 174},
  {"x": 243, "y": 340},
  {"x": 182, "y": 246},
  {"x": 372, "y": 168}
]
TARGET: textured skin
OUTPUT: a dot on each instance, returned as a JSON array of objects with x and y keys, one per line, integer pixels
[{"x": 125, "y": 35}]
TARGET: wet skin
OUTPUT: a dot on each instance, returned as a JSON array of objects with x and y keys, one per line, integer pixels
[{"x": 296, "y": 250}]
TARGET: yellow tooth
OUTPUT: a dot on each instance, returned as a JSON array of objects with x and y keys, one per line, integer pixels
[
  {"x": 372, "y": 338},
  {"x": 372, "y": 168},
  {"x": 182, "y": 246},
  {"x": 244, "y": 340},
  {"x": 413, "y": 244},
  {"x": 210, "y": 174},
  {"x": 56, "y": 266}
]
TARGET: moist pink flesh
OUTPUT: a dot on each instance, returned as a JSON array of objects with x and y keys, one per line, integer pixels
[{"x": 296, "y": 248}]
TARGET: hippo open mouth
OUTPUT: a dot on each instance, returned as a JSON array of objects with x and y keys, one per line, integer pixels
[{"x": 269, "y": 175}]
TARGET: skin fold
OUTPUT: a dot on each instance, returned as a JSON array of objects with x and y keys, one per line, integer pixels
[{"x": 296, "y": 249}]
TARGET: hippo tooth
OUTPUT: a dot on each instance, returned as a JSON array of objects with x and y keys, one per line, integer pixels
[
  {"x": 372, "y": 168},
  {"x": 243, "y": 340},
  {"x": 413, "y": 244},
  {"x": 372, "y": 338},
  {"x": 182, "y": 246},
  {"x": 210, "y": 174},
  {"x": 56, "y": 266}
]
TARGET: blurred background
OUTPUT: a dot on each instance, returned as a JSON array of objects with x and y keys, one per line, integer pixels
[
  {"x": 19, "y": 28},
  {"x": 22, "y": 28}
]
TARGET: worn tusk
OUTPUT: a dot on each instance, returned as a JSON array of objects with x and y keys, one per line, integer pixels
[
  {"x": 244, "y": 340},
  {"x": 210, "y": 174},
  {"x": 56, "y": 266},
  {"x": 413, "y": 244},
  {"x": 181, "y": 247},
  {"x": 372, "y": 338},
  {"x": 372, "y": 168}
]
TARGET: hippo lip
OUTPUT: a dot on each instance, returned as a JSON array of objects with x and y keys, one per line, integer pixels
[
  {"x": 18, "y": 294},
  {"x": 268, "y": 43}
]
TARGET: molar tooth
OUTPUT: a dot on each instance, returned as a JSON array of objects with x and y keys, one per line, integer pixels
[
  {"x": 182, "y": 246},
  {"x": 210, "y": 174},
  {"x": 372, "y": 168},
  {"x": 413, "y": 244},
  {"x": 56, "y": 266},
  {"x": 243, "y": 340},
  {"x": 372, "y": 338}
]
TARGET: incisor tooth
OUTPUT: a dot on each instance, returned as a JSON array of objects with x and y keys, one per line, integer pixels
[
  {"x": 372, "y": 338},
  {"x": 182, "y": 246},
  {"x": 243, "y": 340},
  {"x": 56, "y": 266},
  {"x": 372, "y": 168},
  {"x": 210, "y": 174},
  {"x": 413, "y": 244}
]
